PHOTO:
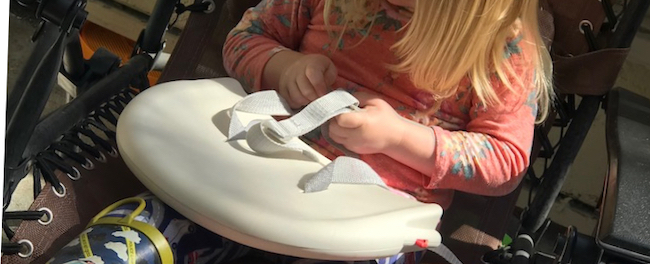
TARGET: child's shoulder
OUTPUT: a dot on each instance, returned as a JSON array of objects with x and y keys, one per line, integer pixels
[
  {"x": 520, "y": 48},
  {"x": 519, "y": 60}
]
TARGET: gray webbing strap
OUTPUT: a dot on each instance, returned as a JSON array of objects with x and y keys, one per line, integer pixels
[
  {"x": 445, "y": 253},
  {"x": 264, "y": 102},
  {"x": 269, "y": 136},
  {"x": 343, "y": 170},
  {"x": 312, "y": 116}
]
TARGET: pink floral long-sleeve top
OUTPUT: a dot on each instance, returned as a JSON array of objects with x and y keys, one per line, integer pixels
[{"x": 479, "y": 149}]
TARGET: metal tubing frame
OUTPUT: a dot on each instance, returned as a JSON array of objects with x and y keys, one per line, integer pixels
[
  {"x": 555, "y": 175},
  {"x": 157, "y": 25},
  {"x": 56, "y": 51},
  {"x": 557, "y": 172},
  {"x": 31, "y": 101},
  {"x": 64, "y": 118},
  {"x": 73, "y": 60},
  {"x": 629, "y": 24}
]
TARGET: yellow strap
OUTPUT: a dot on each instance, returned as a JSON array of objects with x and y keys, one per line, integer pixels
[
  {"x": 130, "y": 247},
  {"x": 85, "y": 245},
  {"x": 154, "y": 235}
]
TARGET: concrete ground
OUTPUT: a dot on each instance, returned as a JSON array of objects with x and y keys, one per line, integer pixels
[{"x": 579, "y": 196}]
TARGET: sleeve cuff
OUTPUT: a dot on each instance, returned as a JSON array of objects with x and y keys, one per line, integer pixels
[{"x": 442, "y": 158}]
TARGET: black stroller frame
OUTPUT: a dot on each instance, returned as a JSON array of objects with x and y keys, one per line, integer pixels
[
  {"x": 104, "y": 92},
  {"x": 103, "y": 88},
  {"x": 58, "y": 49}
]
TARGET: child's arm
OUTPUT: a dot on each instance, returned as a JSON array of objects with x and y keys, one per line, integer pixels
[
  {"x": 270, "y": 27},
  {"x": 492, "y": 155},
  {"x": 487, "y": 158},
  {"x": 260, "y": 52}
]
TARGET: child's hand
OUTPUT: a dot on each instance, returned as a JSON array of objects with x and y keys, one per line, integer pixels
[
  {"x": 374, "y": 129},
  {"x": 306, "y": 79}
]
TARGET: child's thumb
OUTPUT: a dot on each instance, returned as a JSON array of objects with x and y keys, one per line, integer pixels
[{"x": 350, "y": 120}]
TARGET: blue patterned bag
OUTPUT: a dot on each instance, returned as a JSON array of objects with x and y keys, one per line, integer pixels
[{"x": 142, "y": 229}]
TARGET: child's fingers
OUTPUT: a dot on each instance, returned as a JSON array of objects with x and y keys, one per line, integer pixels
[
  {"x": 330, "y": 75},
  {"x": 284, "y": 93},
  {"x": 318, "y": 83},
  {"x": 350, "y": 120},
  {"x": 296, "y": 99},
  {"x": 338, "y": 133},
  {"x": 338, "y": 138},
  {"x": 306, "y": 87},
  {"x": 314, "y": 74}
]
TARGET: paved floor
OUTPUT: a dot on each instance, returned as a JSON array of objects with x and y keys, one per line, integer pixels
[{"x": 583, "y": 187}]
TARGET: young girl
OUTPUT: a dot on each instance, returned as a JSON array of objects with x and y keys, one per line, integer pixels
[{"x": 450, "y": 89}]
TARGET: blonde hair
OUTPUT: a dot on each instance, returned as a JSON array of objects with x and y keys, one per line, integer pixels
[{"x": 448, "y": 40}]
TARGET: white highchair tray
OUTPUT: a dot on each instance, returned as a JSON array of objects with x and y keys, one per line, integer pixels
[{"x": 173, "y": 137}]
